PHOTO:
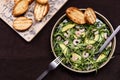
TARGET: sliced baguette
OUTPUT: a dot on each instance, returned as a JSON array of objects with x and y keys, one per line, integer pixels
[
  {"x": 16, "y": 1},
  {"x": 90, "y": 16},
  {"x": 40, "y": 11},
  {"x": 42, "y": 1},
  {"x": 22, "y": 23},
  {"x": 20, "y": 8},
  {"x": 76, "y": 15}
]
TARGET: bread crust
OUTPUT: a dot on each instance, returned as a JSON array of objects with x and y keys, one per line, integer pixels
[
  {"x": 20, "y": 8},
  {"x": 22, "y": 23},
  {"x": 42, "y": 1},
  {"x": 40, "y": 11},
  {"x": 16, "y": 1},
  {"x": 76, "y": 15},
  {"x": 90, "y": 16}
]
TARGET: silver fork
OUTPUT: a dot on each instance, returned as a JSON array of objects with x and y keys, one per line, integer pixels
[{"x": 51, "y": 66}]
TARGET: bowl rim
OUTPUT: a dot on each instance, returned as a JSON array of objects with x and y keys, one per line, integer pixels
[{"x": 105, "y": 20}]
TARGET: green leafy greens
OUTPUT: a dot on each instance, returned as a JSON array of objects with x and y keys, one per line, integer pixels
[{"x": 77, "y": 44}]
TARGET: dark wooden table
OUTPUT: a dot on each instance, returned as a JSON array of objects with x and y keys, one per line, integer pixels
[{"x": 20, "y": 60}]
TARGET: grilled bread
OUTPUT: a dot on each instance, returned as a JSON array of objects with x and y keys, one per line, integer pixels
[
  {"x": 76, "y": 15},
  {"x": 42, "y": 1},
  {"x": 22, "y": 23},
  {"x": 40, "y": 11},
  {"x": 90, "y": 16},
  {"x": 16, "y": 1},
  {"x": 20, "y": 8}
]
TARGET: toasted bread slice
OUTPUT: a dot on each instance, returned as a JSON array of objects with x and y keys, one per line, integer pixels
[
  {"x": 90, "y": 16},
  {"x": 42, "y": 1},
  {"x": 22, "y": 23},
  {"x": 20, "y": 8},
  {"x": 40, "y": 11},
  {"x": 16, "y": 1},
  {"x": 76, "y": 15}
]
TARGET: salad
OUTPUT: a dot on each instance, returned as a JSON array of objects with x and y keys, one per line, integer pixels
[{"x": 77, "y": 44}]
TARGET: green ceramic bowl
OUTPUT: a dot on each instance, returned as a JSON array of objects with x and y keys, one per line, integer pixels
[{"x": 103, "y": 19}]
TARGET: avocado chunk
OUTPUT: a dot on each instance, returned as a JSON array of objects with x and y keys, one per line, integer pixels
[
  {"x": 64, "y": 48},
  {"x": 69, "y": 26},
  {"x": 101, "y": 57},
  {"x": 89, "y": 41},
  {"x": 75, "y": 57},
  {"x": 96, "y": 37}
]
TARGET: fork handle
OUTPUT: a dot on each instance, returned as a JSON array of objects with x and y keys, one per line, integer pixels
[{"x": 43, "y": 75}]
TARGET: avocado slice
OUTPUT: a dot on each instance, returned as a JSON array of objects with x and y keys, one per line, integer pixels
[
  {"x": 101, "y": 57},
  {"x": 75, "y": 57},
  {"x": 64, "y": 48},
  {"x": 96, "y": 37},
  {"x": 89, "y": 41},
  {"x": 69, "y": 26}
]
